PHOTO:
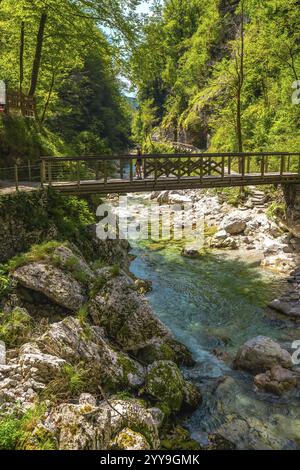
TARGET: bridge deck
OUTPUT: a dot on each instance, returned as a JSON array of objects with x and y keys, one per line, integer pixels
[{"x": 123, "y": 186}]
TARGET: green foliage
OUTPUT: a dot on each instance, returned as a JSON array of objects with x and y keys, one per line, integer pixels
[
  {"x": 72, "y": 381},
  {"x": 22, "y": 432},
  {"x": 275, "y": 210},
  {"x": 189, "y": 85},
  {"x": 4, "y": 283},
  {"x": 15, "y": 327},
  {"x": 82, "y": 314}
]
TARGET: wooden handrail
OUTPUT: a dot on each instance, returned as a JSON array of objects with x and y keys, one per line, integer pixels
[{"x": 96, "y": 158}]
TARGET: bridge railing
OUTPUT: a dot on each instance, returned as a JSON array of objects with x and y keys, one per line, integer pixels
[{"x": 176, "y": 166}]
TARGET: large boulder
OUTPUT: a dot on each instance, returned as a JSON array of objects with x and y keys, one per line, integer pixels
[
  {"x": 277, "y": 380},
  {"x": 125, "y": 314},
  {"x": 75, "y": 343},
  {"x": 87, "y": 427},
  {"x": 234, "y": 223},
  {"x": 164, "y": 382},
  {"x": 260, "y": 354},
  {"x": 59, "y": 286}
]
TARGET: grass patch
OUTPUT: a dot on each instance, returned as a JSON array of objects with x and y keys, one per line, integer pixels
[
  {"x": 5, "y": 287},
  {"x": 22, "y": 432},
  {"x": 41, "y": 252},
  {"x": 70, "y": 384},
  {"x": 275, "y": 210},
  {"x": 15, "y": 327}
]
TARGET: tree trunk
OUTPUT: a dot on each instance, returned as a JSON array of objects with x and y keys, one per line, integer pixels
[
  {"x": 38, "y": 55},
  {"x": 239, "y": 133},
  {"x": 48, "y": 98},
  {"x": 22, "y": 38}
]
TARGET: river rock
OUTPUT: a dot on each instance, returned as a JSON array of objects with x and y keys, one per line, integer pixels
[
  {"x": 290, "y": 308},
  {"x": 278, "y": 380},
  {"x": 164, "y": 382},
  {"x": 234, "y": 223},
  {"x": 190, "y": 252},
  {"x": 260, "y": 354},
  {"x": 75, "y": 343},
  {"x": 126, "y": 315},
  {"x": 165, "y": 349},
  {"x": 192, "y": 396},
  {"x": 59, "y": 286},
  {"x": 128, "y": 439}
]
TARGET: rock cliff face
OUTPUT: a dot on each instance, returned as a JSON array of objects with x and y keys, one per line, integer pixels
[{"x": 102, "y": 339}]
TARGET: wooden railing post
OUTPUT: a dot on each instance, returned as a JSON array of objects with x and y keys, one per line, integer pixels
[
  {"x": 282, "y": 164},
  {"x": 43, "y": 173},
  {"x": 131, "y": 169},
  {"x": 50, "y": 173},
  {"x": 17, "y": 177},
  {"x": 229, "y": 165},
  {"x": 179, "y": 169},
  {"x": 29, "y": 170},
  {"x": 105, "y": 172},
  {"x": 262, "y": 165},
  {"x": 78, "y": 173},
  {"x": 201, "y": 169},
  {"x": 223, "y": 168},
  {"x": 155, "y": 169}
]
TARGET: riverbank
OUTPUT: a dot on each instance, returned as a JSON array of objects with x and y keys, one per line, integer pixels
[{"x": 85, "y": 363}]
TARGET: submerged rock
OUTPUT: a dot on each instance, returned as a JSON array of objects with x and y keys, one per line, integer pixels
[
  {"x": 260, "y": 354},
  {"x": 59, "y": 286},
  {"x": 277, "y": 380},
  {"x": 288, "y": 308}
]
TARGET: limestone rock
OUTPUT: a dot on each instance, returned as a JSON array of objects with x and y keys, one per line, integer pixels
[
  {"x": 290, "y": 309},
  {"x": 59, "y": 286},
  {"x": 129, "y": 440},
  {"x": 45, "y": 367},
  {"x": 278, "y": 380},
  {"x": 70, "y": 260},
  {"x": 234, "y": 223},
  {"x": 72, "y": 342},
  {"x": 87, "y": 399},
  {"x": 164, "y": 382},
  {"x": 126, "y": 315},
  {"x": 260, "y": 354}
]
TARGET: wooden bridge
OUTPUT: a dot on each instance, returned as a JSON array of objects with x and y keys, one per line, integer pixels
[{"x": 116, "y": 173}]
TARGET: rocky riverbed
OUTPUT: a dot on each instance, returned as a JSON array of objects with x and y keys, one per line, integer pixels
[{"x": 88, "y": 362}]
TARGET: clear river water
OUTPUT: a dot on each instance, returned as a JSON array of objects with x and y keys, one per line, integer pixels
[{"x": 213, "y": 305}]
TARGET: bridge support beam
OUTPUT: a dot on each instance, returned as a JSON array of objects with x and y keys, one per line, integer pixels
[{"x": 292, "y": 210}]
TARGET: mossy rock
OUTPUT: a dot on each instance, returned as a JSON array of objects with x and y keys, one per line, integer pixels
[{"x": 164, "y": 382}]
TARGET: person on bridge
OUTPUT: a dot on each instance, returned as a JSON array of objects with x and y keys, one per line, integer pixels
[{"x": 139, "y": 164}]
